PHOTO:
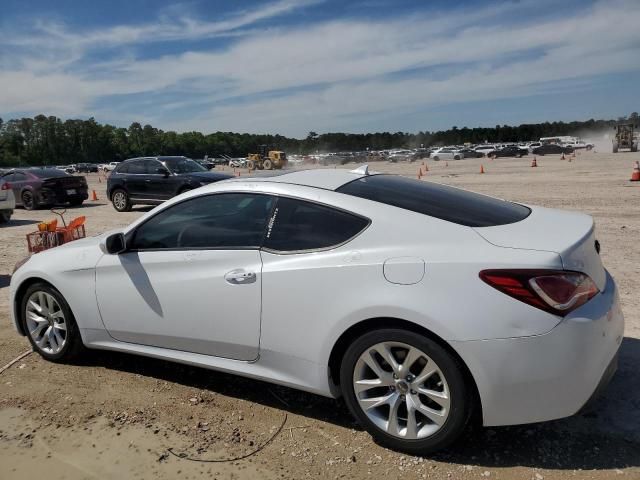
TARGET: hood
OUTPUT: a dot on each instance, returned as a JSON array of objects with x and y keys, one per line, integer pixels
[{"x": 207, "y": 176}]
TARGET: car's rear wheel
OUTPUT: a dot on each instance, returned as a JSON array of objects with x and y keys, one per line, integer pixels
[
  {"x": 406, "y": 390},
  {"x": 28, "y": 200},
  {"x": 436, "y": 158},
  {"x": 5, "y": 217},
  {"x": 120, "y": 200},
  {"x": 49, "y": 323}
]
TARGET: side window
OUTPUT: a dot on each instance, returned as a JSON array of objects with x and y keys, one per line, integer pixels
[
  {"x": 122, "y": 168},
  {"x": 8, "y": 177},
  {"x": 19, "y": 177},
  {"x": 299, "y": 225},
  {"x": 227, "y": 220},
  {"x": 137, "y": 167},
  {"x": 151, "y": 167}
]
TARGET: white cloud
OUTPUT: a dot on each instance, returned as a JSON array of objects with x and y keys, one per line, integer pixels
[{"x": 332, "y": 75}]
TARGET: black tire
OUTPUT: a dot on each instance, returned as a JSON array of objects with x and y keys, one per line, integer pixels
[
  {"x": 615, "y": 147},
  {"x": 436, "y": 158},
  {"x": 73, "y": 346},
  {"x": 460, "y": 392},
  {"x": 267, "y": 164},
  {"x": 251, "y": 165},
  {"x": 5, "y": 217},
  {"x": 121, "y": 204},
  {"x": 76, "y": 203},
  {"x": 28, "y": 200}
]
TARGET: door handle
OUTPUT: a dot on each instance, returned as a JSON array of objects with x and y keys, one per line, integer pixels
[{"x": 240, "y": 276}]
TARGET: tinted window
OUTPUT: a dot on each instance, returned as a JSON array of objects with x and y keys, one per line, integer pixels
[
  {"x": 151, "y": 167},
  {"x": 230, "y": 220},
  {"x": 20, "y": 177},
  {"x": 299, "y": 225},
  {"x": 182, "y": 165},
  {"x": 8, "y": 177},
  {"x": 137, "y": 167},
  {"x": 440, "y": 201},
  {"x": 49, "y": 173},
  {"x": 122, "y": 168}
]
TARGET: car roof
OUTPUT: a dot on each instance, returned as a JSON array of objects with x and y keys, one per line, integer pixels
[{"x": 325, "y": 178}]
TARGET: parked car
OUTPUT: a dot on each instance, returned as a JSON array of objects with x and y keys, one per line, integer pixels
[
  {"x": 86, "y": 168},
  {"x": 486, "y": 150},
  {"x": 206, "y": 163},
  {"x": 152, "y": 180},
  {"x": 108, "y": 167},
  {"x": 551, "y": 148},
  {"x": 470, "y": 153},
  {"x": 238, "y": 162},
  {"x": 7, "y": 201},
  {"x": 46, "y": 187},
  {"x": 446, "y": 153},
  {"x": 510, "y": 151},
  {"x": 201, "y": 280}
]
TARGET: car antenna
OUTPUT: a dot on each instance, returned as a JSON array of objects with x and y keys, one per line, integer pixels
[{"x": 363, "y": 170}]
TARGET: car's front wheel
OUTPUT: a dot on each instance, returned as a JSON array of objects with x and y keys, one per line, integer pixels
[
  {"x": 120, "y": 200},
  {"x": 49, "y": 323},
  {"x": 406, "y": 390}
]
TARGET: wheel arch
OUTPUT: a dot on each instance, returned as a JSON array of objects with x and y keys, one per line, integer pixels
[
  {"x": 17, "y": 300},
  {"x": 364, "y": 326}
]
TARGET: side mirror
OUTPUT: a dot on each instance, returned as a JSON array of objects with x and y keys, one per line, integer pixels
[
  {"x": 163, "y": 171},
  {"x": 115, "y": 244}
]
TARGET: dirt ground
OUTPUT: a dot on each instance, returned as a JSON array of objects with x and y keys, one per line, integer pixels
[{"x": 117, "y": 416}]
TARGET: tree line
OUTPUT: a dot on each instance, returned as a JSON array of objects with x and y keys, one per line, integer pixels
[{"x": 48, "y": 140}]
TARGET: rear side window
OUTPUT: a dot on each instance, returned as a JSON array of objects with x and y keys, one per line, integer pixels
[
  {"x": 137, "y": 167},
  {"x": 122, "y": 168},
  {"x": 298, "y": 225},
  {"x": 439, "y": 201}
]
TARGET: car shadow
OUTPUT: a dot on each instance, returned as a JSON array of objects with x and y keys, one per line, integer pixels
[
  {"x": 605, "y": 437},
  {"x": 18, "y": 223},
  {"x": 4, "y": 280}
]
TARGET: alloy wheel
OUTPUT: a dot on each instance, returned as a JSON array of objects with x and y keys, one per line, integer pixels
[
  {"x": 46, "y": 322},
  {"x": 401, "y": 390},
  {"x": 120, "y": 200}
]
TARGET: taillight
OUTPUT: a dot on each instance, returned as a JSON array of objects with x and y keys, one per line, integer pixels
[
  {"x": 555, "y": 291},
  {"x": 5, "y": 186}
]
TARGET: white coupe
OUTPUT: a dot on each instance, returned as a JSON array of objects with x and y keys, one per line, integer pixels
[{"x": 419, "y": 303}]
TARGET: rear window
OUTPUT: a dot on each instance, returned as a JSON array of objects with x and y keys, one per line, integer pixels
[{"x": 439, "y": 201}]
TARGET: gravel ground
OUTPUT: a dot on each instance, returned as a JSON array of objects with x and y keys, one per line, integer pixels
[{"x": 117, "y": 416}]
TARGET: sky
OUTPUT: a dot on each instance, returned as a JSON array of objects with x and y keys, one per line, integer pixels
[{"x": 294, "y": 66}]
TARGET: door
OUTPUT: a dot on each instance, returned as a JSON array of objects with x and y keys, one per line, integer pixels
[
  {"x": 136, "y": 179},
  {"x": 159, "y": 186},
  {"x": 192, "y": 278}
]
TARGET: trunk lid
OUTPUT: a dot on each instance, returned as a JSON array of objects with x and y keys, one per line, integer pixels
[{"x": 569, "y": 234}]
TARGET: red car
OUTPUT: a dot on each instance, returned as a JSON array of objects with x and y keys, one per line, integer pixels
[{"x": 46, "y": 187}]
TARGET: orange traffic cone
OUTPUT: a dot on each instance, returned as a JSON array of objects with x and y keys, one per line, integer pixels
[
  {"x": 419, "y": 174},
  {"x": 635, "y": 176},
  {"x": 446, "y": 164},
  {"x": 481, "y": 168},
  {"x": 534, "y": 163},
  {"x": 562, "y": 158},
  {"x": 99, "y": 179},
  {"x": 426, "y": 167},
  {"x": 94, "y": 197}
]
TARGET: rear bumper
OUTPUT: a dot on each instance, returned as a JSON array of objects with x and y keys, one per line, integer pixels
[
  {"x": 55, "y": 197},
  {"x": 550, "y": 376}
]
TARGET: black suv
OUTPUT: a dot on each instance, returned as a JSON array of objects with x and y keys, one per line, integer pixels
[
  {"x": 152, "y": 180},
  {"x": 86, "y": 168}
]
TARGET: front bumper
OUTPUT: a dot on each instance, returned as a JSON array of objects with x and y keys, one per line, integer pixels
[{"x": 550, "y": 376}]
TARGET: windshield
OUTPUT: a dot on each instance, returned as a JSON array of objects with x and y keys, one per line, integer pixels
[
  {"x": 48, "y": 173},
  {"x": 183, "y": 165}
]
